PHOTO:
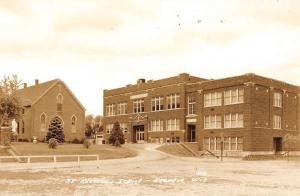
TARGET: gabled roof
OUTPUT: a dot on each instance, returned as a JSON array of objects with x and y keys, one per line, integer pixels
[{"x": 32, "y": 94}]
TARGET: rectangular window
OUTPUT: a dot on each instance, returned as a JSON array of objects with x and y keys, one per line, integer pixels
[
  {"x": 239, "y": 143},
  {"x": 157, "y": 103},
  {"x": 109, "y": 128},
  {"x": 206, "y": 143},
  {"x": 212, "y": 99},
  {"x": 212, "y": 121},
  {"x": 235, "y": 120},
  {"x": 122, "y": 108},
  {"x": 227, "y": 96},
  {"x": 173, "y": 125},
  {"x": 233, "y": 143},
  {"x": 212, "y": 143},
  {"x": 124, "y": 127},
  {"x": 277, "y": 122},
  {"x": 234, "y": 96},
  {"x": 157, "y": 125},
  {"x": 173, "y": 101},
  {"x": 191, "y": 105},
  {"x": 218, "y": 143},
  {"x": 277, "y": 100},
  {"x": 110, "y": 110},
  {"x": 226, "y": 143},
  {"x": 138, "y": 106}
]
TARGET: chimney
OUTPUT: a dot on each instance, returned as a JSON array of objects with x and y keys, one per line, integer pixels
[
  {"x": 36, "y": 82},
  {"x": 141, "y": 81},
  {"x": 25, "y": 85}
]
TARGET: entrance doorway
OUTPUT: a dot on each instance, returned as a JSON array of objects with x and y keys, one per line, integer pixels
[
  {"x": 277, "y": 144},
  {"x": 138, "y": 134},
  {"x": 191, "y": 133}
]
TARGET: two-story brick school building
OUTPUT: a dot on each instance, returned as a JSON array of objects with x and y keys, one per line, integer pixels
[{"x": 249, "y": 113}]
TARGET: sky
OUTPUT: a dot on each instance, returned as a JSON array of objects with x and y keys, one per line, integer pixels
[{"x": 94, "y": 45}]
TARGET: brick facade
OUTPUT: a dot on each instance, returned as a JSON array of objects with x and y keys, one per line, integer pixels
[
  {"x": 239, "y": 111},
  {"x": 42, "y": 100}
]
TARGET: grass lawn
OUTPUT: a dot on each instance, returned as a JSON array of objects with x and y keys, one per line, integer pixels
[
  {"x": 175, "y": 149},
  {"x": 104, "y": 151}
]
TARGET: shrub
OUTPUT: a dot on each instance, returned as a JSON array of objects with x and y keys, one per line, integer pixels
[
  {"x": 52, "y": 143},
  {"x": 87, "y": 143},
  {"x": 117, "y": 143},
  {"x": 76, "y": 141}
]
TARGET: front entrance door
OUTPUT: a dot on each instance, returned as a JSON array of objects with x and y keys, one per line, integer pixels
[
  {"x": 138, "y": 134},
  {"x": 277, "y": 144},
  {"x": 191, "y": 133}
]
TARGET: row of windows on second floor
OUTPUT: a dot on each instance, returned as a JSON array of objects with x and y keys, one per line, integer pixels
[
  {"x": 233, "y": 120},
  {"x": 234, "y": 96},
  {"x": 157, "y": 104},
  {"x": 212, "y": 99}
]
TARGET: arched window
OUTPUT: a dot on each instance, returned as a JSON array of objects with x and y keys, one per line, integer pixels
[
  {"x": 43, "y": 119},
  {"x": 73, "y": 124},
  {"x": 59, "y": 102}
]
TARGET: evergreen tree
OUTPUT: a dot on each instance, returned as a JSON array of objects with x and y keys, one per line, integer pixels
[
  {"x": 88, "y": 131},
  {"x": 117, "y": 137},
  {"x": 56, "y": 130}
]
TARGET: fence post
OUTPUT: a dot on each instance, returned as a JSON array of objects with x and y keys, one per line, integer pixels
[
  {"x": 54, "y": 160},
  {"x": 97, "y": 161},
  {"x": 78, "y": 160},
  {"x": 28, "y": 159}
]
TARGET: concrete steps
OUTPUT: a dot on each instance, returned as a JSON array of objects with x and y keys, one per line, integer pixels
[
  {"x": 264, "y": 157},
  {"x": 189, "y": 149}
]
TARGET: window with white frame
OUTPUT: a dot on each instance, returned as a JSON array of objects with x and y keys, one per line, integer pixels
[
  {"x": 229, "y": 143},
  {"x": 122, "y": 108},
  {"x": 234, "y": 96},
  {"x": 124, "y": 127},
  {"x": 277, "y": 122},
  {"x": 109, "y": 128},
  {"x": 173, "y": 124},
  {"x": 138, "y": 106},
  {"x": 234, "y": 120},
  {"x": 157, "y": 125},
  {"x": 73, "y": 124},
  {"x": 277, "y": 100},
  {"x": 157, "y": 103},
  {"x": 226, "y": 143},
  {"x": 110, "y": 110},
  {"x": 212, "y": 121},
  {"x": 213, "y": 99},
  {"x": 191, "y": 105},
  {"x": 233, "y": 143},
  {"x": 173, "y": 101}
]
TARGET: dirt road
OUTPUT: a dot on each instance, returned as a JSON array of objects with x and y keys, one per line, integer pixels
[{"x": 155, "y": 173}]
